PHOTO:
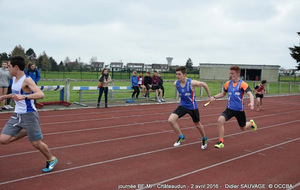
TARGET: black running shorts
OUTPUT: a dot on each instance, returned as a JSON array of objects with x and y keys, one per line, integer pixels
[
  {"x": 239, "y": 115},
  {"x": 181, "y": 111}
]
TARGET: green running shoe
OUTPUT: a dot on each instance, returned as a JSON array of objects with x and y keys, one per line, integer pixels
[
  {"x": 219, "y": 145},
  {"x": 254, "y": 126}
]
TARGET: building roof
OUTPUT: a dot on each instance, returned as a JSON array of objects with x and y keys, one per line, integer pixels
[
  {"x": 248, "y": 66},
  {"x": 116, "y": 64}
]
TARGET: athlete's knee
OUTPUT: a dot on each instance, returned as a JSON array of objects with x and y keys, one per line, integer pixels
[
  {"x": 198, "y": 125},
  {"x": 171, "y": 121},
  {"x": 4, "y": 141},
  {"x": 221, "y": 120},
  {"x": 36, "y": 144}
]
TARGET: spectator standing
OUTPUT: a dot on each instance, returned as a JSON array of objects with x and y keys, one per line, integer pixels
[
  {"x": 161, "y": 81},
  {"x": 34, "y": 73},
  {"x": 4, "y": 83},
  {"x": 134, "y": 85},
  {"x": 104, "y": 79},
  {"x": 155, "y": 86},
  {"x": 8, "y": 101}
]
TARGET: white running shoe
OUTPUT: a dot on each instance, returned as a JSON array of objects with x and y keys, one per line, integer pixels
[
  {"x": 179, "y": 141},
  {"x": 204, "y": 144}
]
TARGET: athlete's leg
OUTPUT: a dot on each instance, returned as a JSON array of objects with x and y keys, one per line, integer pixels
[
  {"x": 43, "y": 148},
  {"x": 200, "y": 127},
  {"x": 221, "y": 123},
  {"x": 7, "y": 139},
  {"x": 258, "y": 103},
  {"x": 247, "y": 126},
  {"x": 173, "y": 122},
  {"x": 241, "y": 118}
]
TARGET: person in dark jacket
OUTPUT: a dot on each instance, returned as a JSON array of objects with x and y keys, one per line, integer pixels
[
  {"x": 160, "y": 84},
  {"x": 147, "y": 83},
  {"x": 155, "y": 86}
]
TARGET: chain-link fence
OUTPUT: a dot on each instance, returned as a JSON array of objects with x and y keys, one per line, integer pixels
[{"x": 115, "y": 74}]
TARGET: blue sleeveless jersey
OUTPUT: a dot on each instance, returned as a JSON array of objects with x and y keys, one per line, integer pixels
[
  {"x": 235, "y": 97},
  {"x": 187, "y": 97}
]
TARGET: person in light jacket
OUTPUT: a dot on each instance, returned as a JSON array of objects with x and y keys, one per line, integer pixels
[
  {"x": 4, "y": 83},
  {"x": 104, "y": 79}
]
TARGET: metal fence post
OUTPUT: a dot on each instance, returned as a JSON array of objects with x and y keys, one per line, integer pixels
[
  {"x": 79, "y": 97},
  {"x": 68, "y": 90},
  {"x": 112, "y": 91},
  {"x": 201, "y": 91},
  {"x": 222, "y": 86}
]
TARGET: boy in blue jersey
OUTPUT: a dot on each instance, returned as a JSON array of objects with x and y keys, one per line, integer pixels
[
  {"x": 187, "y": 105},
  {"x": 25, "y": 120},
  {"x": 236, "y": 89}
]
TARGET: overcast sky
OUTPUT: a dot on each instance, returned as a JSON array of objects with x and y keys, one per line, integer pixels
[{"x": 148, "y": 31}]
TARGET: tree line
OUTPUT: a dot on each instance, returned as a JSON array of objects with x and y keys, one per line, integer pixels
[{"x": 43, "y": 62}]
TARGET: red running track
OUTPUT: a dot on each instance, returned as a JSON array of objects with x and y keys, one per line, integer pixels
[{"x": 131, "y": 147}]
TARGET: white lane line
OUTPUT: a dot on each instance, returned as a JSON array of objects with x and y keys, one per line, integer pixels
[
  {"x": 142, "y": 135},
  {"x": 146, "y": 153},
  {"x": 221, "y": 163}
]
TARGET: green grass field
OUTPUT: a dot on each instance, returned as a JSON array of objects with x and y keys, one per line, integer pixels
[{"x": 215, "y": 88}]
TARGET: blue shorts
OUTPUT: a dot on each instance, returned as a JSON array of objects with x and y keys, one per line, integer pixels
[{"x": 28, "y": 121}]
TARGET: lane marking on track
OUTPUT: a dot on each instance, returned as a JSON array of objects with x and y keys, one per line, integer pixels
[
  {"x": 147, "y": 153},
  {"x": 151, "y": 122},
  {"x": 221, "y": 163},
  {"x": 143, "y": 135},
  {"x": 294, "y": 186}
]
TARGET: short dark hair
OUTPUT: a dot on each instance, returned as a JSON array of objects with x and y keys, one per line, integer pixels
[
  {"x": 263, "y": 81},
  {"x": 17, "y": 60},
  {"x": 182, "y": 69}
]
